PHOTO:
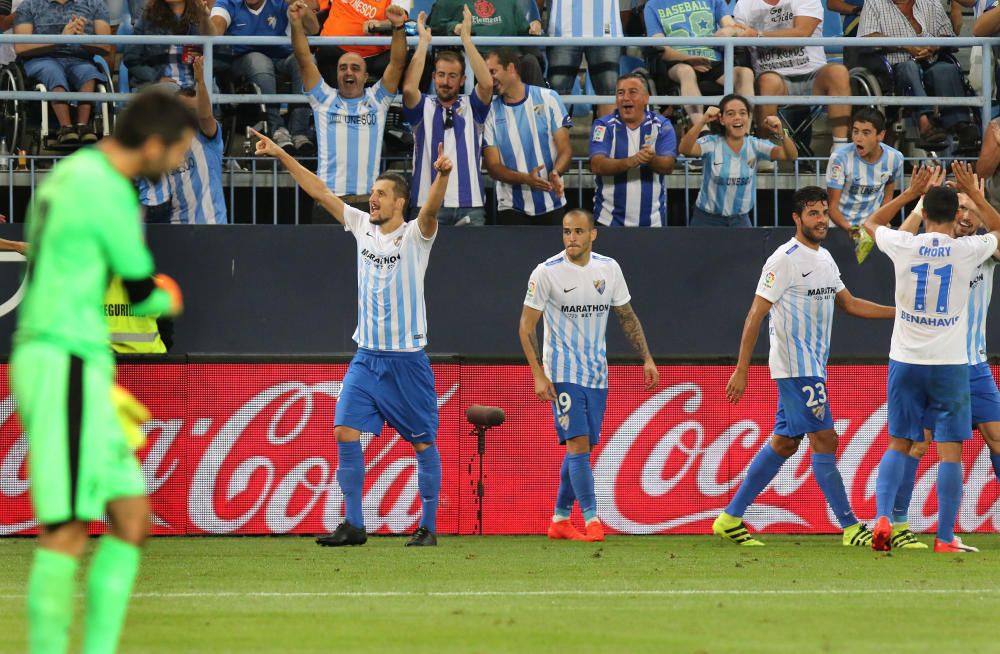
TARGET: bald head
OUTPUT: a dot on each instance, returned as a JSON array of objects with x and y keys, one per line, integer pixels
[{"x": 352, "y": 73}]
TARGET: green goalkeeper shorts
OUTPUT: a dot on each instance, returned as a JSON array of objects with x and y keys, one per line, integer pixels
[{"x": 78, "y": 459}]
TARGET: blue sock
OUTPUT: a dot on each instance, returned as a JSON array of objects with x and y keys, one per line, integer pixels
[
  {"x": 762, "y": 470},
  {"x": 582, "y": 479},
  {"x": 995, "y": 458},
  {"x": 890, "y": 474},
  {"x": 832, "y": 484},
  {"x": 429, "y": 482},
  {"x": 949, "y": 491},
  {"x": 351, "y": 477},
  {"x": 901, "y": 507},
  {"x": 565, "y": 497}
]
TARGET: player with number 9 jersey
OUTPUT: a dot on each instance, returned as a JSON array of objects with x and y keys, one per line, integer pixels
[{"x": 575, "y": 291}]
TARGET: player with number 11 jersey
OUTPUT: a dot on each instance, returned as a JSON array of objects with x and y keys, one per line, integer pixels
[{"x": 928, "y": 359}]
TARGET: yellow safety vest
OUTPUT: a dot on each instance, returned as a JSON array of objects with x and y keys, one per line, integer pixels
[{"x": 130, "y": 334}]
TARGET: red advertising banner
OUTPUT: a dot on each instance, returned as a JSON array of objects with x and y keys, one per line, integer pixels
[{"x": 249, "y": 449}]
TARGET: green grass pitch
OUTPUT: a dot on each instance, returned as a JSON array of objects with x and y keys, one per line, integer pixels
[{"x": 686, "y": 594}]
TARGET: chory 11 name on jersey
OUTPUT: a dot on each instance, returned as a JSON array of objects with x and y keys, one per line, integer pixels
[{"x": 939, "y": 251}]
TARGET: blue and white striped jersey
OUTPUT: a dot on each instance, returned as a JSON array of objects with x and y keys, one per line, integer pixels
[
  {"x": 349, "y": 133},
  {"x": 196, "y": 187},
  {"x": 980, "y": 294},
  {"x": 391, "y": 310},
  {"x": 575, "y": 302},
  {"x": 152, "y": 194},
  {"x": 729, "y": 183},
  {"x": 802, "y": 284},
  {"x": 934, "y": 273},
  {"x": 460, "y": 128},
  {"x": 176, "y": 69},
  {"x": 585, "y": 18},
  {"x": 862, "y": 184},
  {"x": 524, "y": 133},
  {"x": 638, "y": 197}
]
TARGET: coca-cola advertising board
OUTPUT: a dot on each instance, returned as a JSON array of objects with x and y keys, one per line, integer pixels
[{"x": 249, "y": 449}]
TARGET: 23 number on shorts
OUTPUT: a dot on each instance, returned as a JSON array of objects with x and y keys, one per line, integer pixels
[{"x": 816, "y": 393}]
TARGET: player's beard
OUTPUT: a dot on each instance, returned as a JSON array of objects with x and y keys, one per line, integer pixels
[
  {"x": 812, "y": 236},
  {"x": 380, "y": 219}
]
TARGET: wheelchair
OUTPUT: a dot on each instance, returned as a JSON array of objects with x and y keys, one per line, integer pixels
[
  {"x": 873, "y": 77},
  {"x": 27, "y": 123}
]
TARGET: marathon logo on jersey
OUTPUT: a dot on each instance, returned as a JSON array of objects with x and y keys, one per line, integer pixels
[
  {"x": 380, "y": 260},
  {"x": 599, "y": 133},
  {"x": 600, "y": 285},
  {"x": 584, "y": 310},
  {"x": 927, "y": 321},
  {"x": 820, "y": 292},
  {"x": 976, "y": 281}
]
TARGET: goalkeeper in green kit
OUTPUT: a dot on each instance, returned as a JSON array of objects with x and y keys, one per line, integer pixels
[{"x": 84, "y": 226}]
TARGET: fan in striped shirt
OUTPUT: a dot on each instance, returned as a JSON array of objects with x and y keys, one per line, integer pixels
[
  {"x": 861, "y": 176},
  {"x": 350, "y": 120},
  {"x": 631, "y": 150},
  {"x": 450, "y": 118},
  {"x": 591, "y": 18},
  {"x": 527, "y": 130},
  {"x": 196, "y": 192}
]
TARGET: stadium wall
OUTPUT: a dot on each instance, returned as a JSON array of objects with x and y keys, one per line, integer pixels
[
  {"x": 247, "y": 448},
  {"x": 291, "y": 290}
]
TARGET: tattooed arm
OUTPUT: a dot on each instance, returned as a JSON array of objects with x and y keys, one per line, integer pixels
[
  {"x": 528, "y": 332},
  {"x": 633, "y": 331}
]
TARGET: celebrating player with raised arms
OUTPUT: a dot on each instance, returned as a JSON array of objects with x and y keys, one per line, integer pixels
[
  {"x": 798, "y": 289},
  {"x": 928, "y": 359},
  {"x": 984, "y": 396},
  {"x": 84, "y": 226},
  {"x": 390, "y": 378},
  {"x": 576, "y": 290}
]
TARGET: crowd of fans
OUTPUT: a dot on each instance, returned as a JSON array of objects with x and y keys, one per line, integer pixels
[{"x": 514, "y": 124}]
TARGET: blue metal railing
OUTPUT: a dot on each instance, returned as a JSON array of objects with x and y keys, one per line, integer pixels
[
  {"x": 727, "y": 44},
  {"x": 983, "y": 101},
  {"x": 245, "y": 178}
]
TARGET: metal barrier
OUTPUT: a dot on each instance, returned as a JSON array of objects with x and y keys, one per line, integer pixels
[
  {"x": 580, "y": 179},
  {"x": 247, "y": 178},
  {"x": 728, "y": 45}
]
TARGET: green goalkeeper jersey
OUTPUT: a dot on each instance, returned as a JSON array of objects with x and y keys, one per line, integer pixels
[{"x": 84, "y": 225}]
